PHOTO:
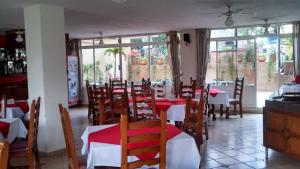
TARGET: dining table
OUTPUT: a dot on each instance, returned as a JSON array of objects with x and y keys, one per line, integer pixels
[
  {"x": 102, "y": 146},
  {"x": 16, "y": 108},
  {"x": 215, "y": 97},
  {"x": 12, "y": 128}
]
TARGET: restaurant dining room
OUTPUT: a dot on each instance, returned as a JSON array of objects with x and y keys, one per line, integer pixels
[{"x": 169, "y": 84}]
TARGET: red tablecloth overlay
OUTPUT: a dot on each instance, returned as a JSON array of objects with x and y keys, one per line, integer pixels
[
  {"x": 164, "y": 105},
  {"x": 212, "y": 92},
  {"x": 22, "y": 104},
  {"x": 4, "y": 128},
  {"x": 112, "y": 135}
]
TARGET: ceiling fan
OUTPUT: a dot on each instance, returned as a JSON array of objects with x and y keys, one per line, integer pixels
[
  {"x": 229, "y": 19},
  {"x": 268, "y": 25}
]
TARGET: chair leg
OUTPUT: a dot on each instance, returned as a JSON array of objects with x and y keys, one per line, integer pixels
[
  {"x": 234, "y": 108},
  {"x": 206, "y": 130},
  {"x": 241, "y": 110},
  {"x": 37, "y": 159},
  {"x": 31, "y": 164}
]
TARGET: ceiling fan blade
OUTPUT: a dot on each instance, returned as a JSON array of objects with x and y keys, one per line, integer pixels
[{"x": 238, "y": 10}]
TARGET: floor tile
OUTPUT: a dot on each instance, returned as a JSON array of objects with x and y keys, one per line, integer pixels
[
  {"x": 257, "y": 164},
  {"x": 228, "y": 161},
  {"x": 244, "y": 158},
  {"x": 240, "y": 166}
]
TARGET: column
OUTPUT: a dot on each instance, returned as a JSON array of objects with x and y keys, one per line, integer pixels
[{"x": 47, "y": 73}]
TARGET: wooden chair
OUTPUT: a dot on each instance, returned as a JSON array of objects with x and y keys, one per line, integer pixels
[
  {"x": 160, "y": 89},
  {"x": 197, "y": 82},
  {"x": 73, "y": 161},
  {"x": 89, "y": 93},
  {"x": 117, "y": 89},
  {"x": 194, "y": 118},
  {"x": 187, "y": 90},
  {"x": 29, "y": 148},
  {"x": 110, "y": 113},
  {"x": 126, "y": 139},
  {"x": 144, "y": 105},
  {"x": 4, "y": 149},
  {"x": 137, "y": 88},
  {"x": 3, "y": 104},
  {"x": 237, "y": 96}
]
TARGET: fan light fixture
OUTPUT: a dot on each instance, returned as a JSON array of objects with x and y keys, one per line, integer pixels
[
  {"x": 119, "y": 1},
  {"x": 101, "y": 42},
  {"x": 19, "y": 38},
  {"x": 229, "y": 21}
]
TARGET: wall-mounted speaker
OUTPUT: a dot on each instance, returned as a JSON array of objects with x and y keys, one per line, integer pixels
[{"x": 186, "y": 38}]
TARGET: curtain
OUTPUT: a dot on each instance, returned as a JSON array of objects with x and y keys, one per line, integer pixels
[
  {"x": 297, "y": 48},
  {"x": 174, "y": 60},
  {"x": 202, "y": 45}
]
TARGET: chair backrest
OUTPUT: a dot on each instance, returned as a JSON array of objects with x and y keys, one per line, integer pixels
[
  {"x": 4, "y": 151},
  {"x": 187, "y": 90},
  {"x": 108, "y": 112},
  {"x": 206, "y": 92},
  {"x": 114, "y": 81},
  {"x": 195, "y": 119},
  {"x": 33, "y": 126},
  {"x": 118, "y": 89},
  {"x": 102, "y": 90},
  {"x": 137, "y": 88},
  {"x": 198, "y": 82},
  {"x": 144, "y": 105},
  {"x": 160, "y": 89},
  {"x": 3, "y": 107},
  {"x": 146, "y": 82},
  {"x": 238, "y": 88},
  {"x": 141, "y": 138},
  {"x": 68, "y": 134}
]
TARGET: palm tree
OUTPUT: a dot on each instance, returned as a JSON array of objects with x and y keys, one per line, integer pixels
[{"x": 115, "y": 52}]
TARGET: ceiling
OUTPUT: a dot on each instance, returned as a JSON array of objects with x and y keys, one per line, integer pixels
[{"x": 85, "y": 18}]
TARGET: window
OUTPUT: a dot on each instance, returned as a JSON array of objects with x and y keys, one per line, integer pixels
[
  {"x": 136, "y": 57},
  {"x": 88, "y": 65},
  {"x": 222, "y": 33},
  {"x": 286, "y": 56},
  {"x": 253, "y": 54}
]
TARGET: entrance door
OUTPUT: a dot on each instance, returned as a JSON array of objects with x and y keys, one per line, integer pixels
[{"x": 266, "y": 63}]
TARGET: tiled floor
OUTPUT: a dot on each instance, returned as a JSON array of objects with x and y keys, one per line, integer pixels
[{"x": 234, "y": 143}]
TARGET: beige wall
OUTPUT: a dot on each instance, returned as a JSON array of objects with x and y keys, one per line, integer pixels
[{"x": 188, "y": 56}]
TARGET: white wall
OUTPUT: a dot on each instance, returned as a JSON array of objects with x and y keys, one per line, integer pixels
[
  {"x": 47, "y": 73},
  {"x": 188, "y": 55}
]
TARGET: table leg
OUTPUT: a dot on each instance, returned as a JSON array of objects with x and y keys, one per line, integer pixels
[
  {"x": 227, "y": 112},
  {"x": 221, "y": 109},
  {"x": 213, "y": 111}
]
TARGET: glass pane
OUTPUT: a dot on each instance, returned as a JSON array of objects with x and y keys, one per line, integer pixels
[
  {"x": 226, "y": 45},
  {"x": 284, "y": 29},
  {"x": 247, "y": 31},
  {"x": 135, "y": 39},
  {"x": 212, "y": 63},
  {"x": 159, "y": 67},
  {"x": 226, "y": 66},
  {"x": 246, "y": 60},
  {"x": 158, "y": 38},
  {"x": 259, "y": 30},
  {"x": 107, "y": 41},
  {"x": 88, "y": 65},
  {"x": 266, "y": 63},
  {"x": 138, "y": 62},
  {"x": 88, "y": 42},
  {"x": 286, "y": 56},
  {"x": 222, "y": 33},
  {"x": 105, "y": 60}
]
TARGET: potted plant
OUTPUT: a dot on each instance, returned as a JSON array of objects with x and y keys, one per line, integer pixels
[
  {"x": 134, "y": 54},
  {"x": 143, "y": 61},
  {"x": 114, "y": 52},
  {"x": 160, "y": 61},
  {"x": 261, "y": 58}
]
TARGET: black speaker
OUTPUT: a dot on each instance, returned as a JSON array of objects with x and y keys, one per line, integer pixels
[{"x": 186, "y": 38}]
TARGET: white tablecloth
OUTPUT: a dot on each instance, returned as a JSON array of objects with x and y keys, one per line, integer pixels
[
  {"x": 182, "y": 152},
  {"x": 14, "y": 112},
  {"x": 16, "y": 129},
  {"x": 289, "y": 88}
]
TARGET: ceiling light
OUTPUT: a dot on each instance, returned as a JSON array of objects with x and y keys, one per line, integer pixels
[
  {"x": 119, "y": 1},
  {"x": 229, "y": 21},
  {"x": 19, "y": 38}
]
